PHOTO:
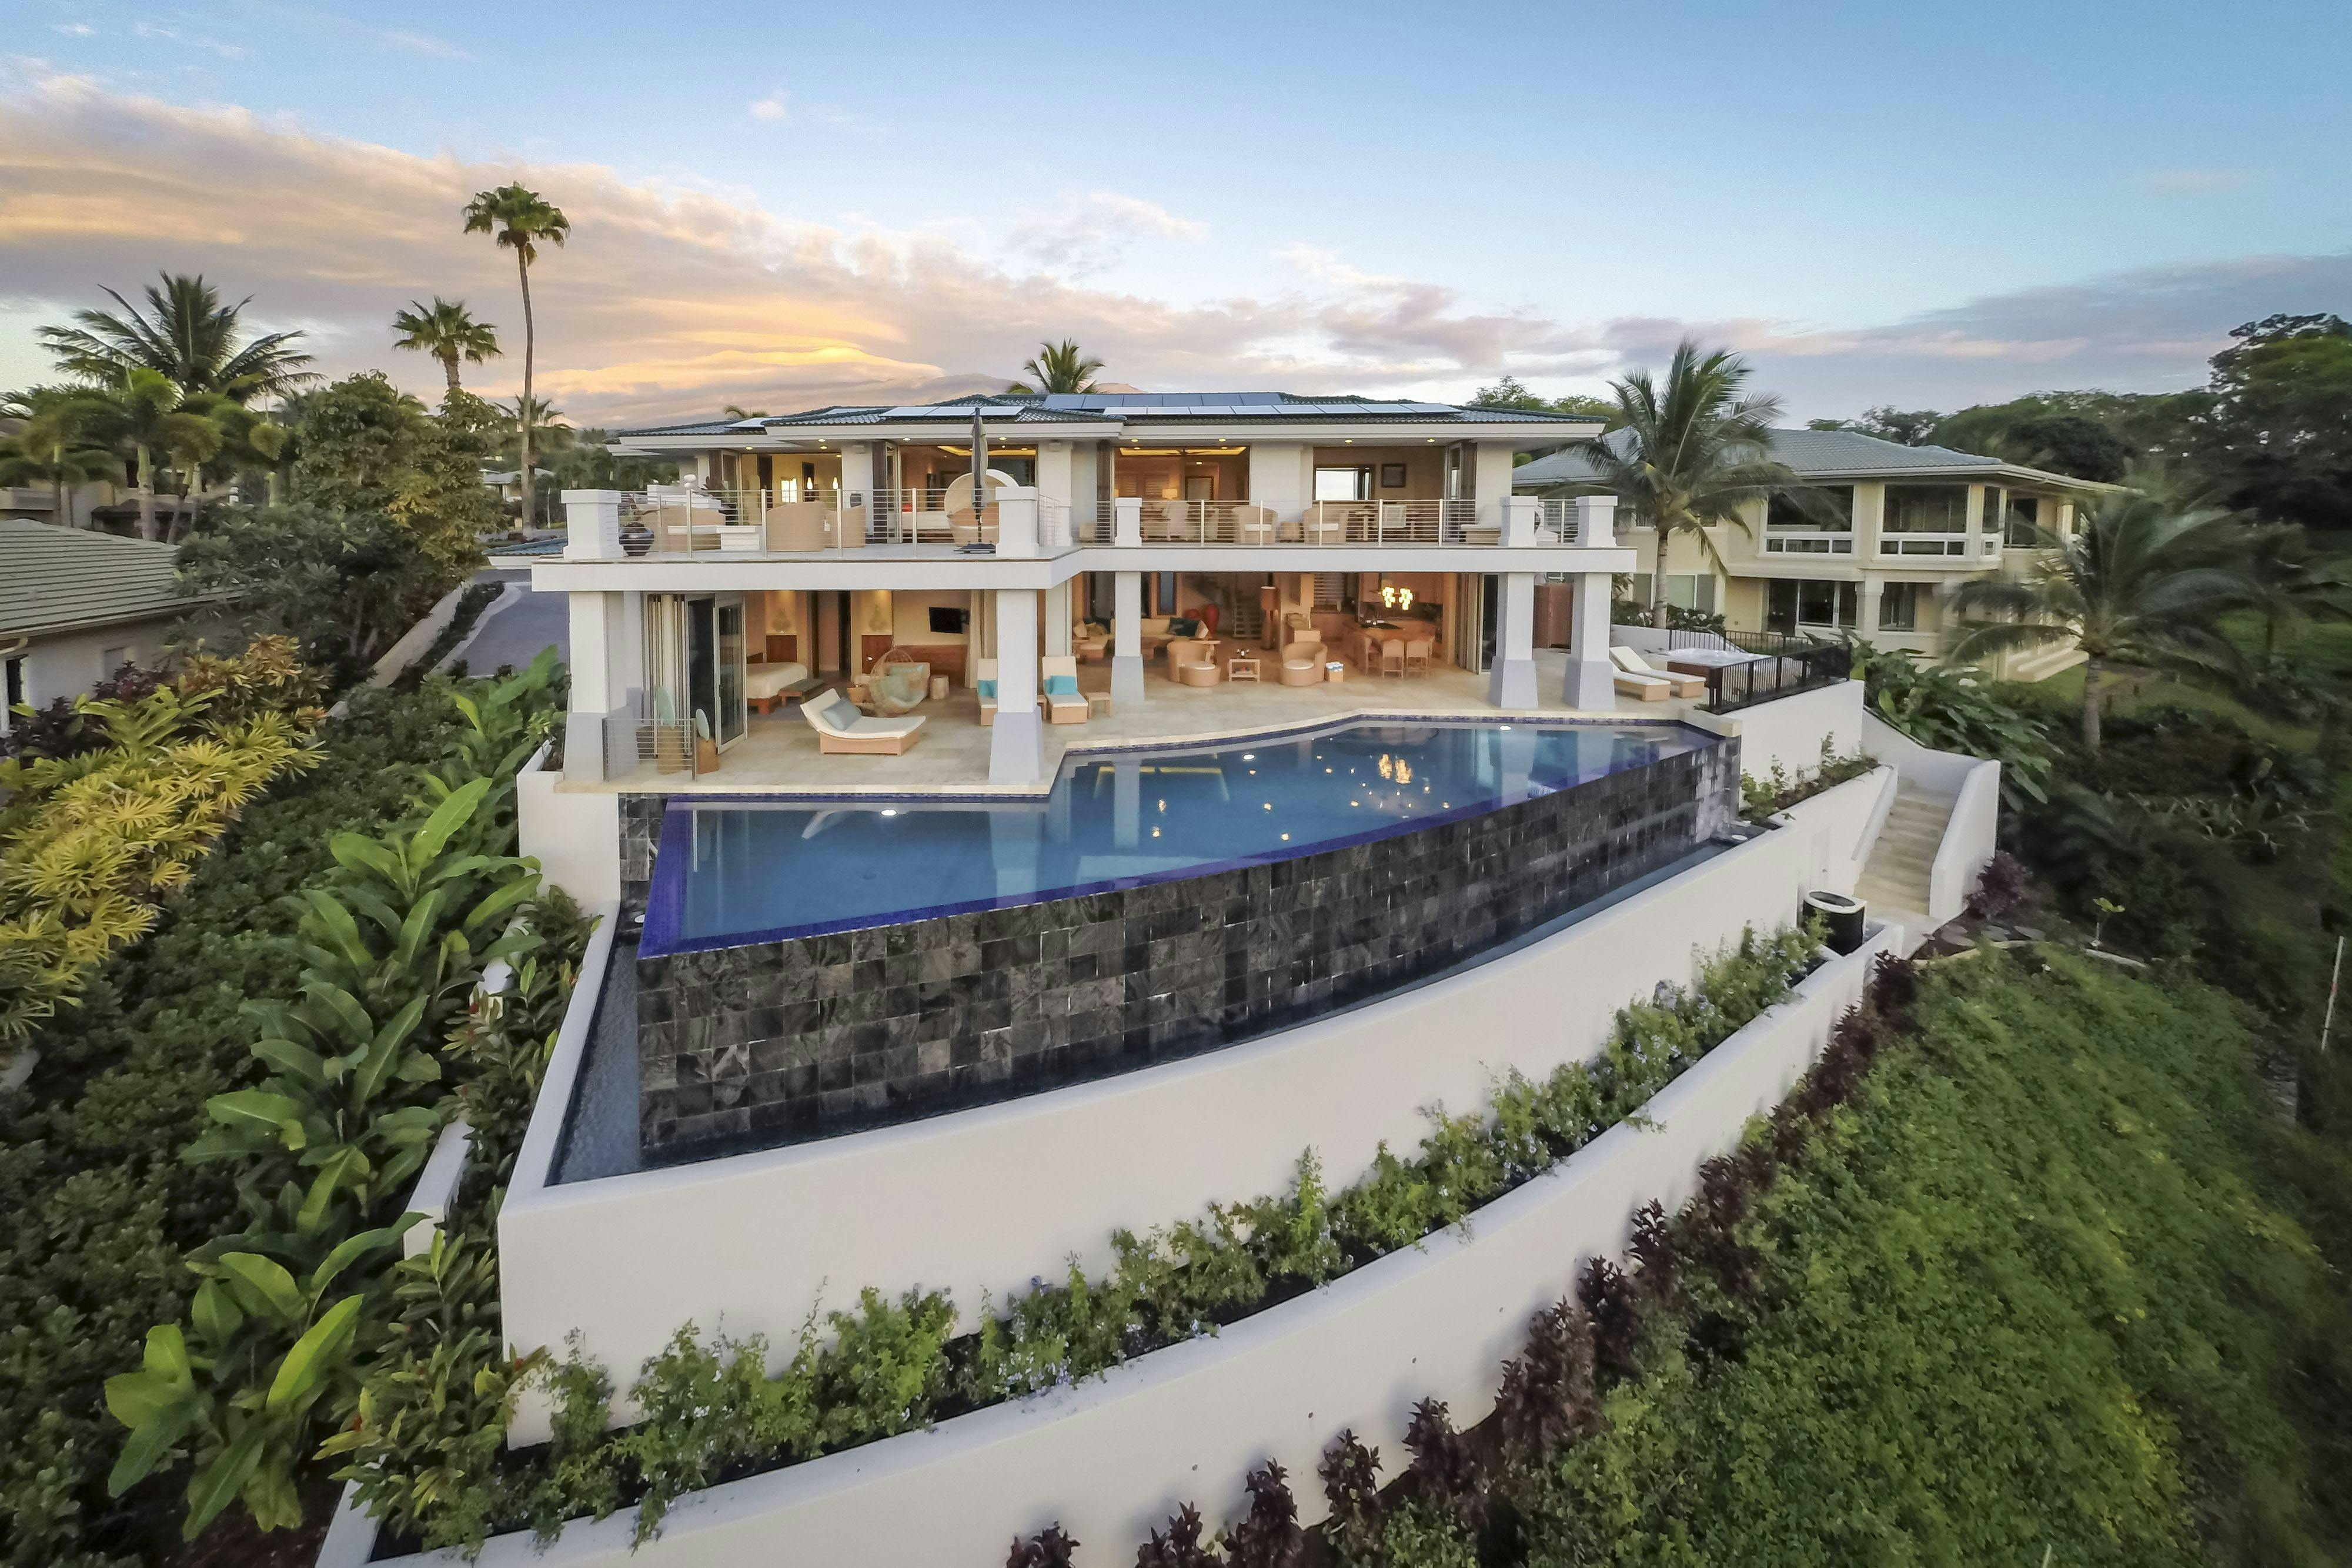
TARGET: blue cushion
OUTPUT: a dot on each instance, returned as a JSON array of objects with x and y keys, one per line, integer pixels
[
  {"x": 1061, "y": 685},
  {"x": 987, "y": 690},
  {"x": 1183, "y": 626}
]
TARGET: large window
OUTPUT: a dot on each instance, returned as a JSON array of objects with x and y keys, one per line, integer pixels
[
  {"x": 1926, "y": 509},
  {"x": 1898, "y": 607},
  {"x": 1823, "y": 508},
  {"x": 1790, "y": 604},
  {"x": 1685, "y": 590},
  {"x": 2021, "y": 523},
  {"x": 1343, "y": 484}
]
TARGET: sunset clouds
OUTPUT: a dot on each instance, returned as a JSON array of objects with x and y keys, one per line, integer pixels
[{"x": 672, "y": 300}]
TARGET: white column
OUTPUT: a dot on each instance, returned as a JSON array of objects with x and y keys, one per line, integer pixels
[
  {"x": 857, "y": 474},
  {"x": 1057, "y": 618},
  {"x": 1596, "y": 521},
  {"x": 1866, "y": 603},
  {"x": 1490, "y": 480},
  {"x": 1126, "y": 635},
  {"x": 1016, "y": 746},
  {"x": 1591, "y": 679},
  {"x": 1519, "y": 515},
  {"x": 1016, "y": 520},
  {"x": 1511, "y": 681},
  {"x": 592, "y": 519},
  {"x": 1281, "y": 476},
  {"x": 594, "y": 696},
  {"x": 1128, "y": 529}
]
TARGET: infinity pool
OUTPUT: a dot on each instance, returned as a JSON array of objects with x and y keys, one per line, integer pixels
[{"x": 738, "y": 872}]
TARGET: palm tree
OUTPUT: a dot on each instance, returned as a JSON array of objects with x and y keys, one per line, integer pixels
[
  {"x": 250, "y": 443},
  {"x": 1059, "y": 368},
  {"x": 2141, "y": 581},
  {"x": 1689, "y": 457},
  {"x": 145, "y": 418},
  {"x": 520, "y": 220},
  {"x": 54, "y": 445},
  {"x": 446, "y": 331},
  {"x": 2291, "y": 585},
  {"x": 191, "y": 340}
]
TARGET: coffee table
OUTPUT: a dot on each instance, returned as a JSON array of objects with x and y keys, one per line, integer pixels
[{"x": 1241, "y": 667}]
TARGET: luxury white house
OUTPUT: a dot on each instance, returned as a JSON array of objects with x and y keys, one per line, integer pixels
[
  {"x": 1191, "y": 787},
  {"x": 1185, "y": 551},
  {"x": 1890, "y": 532}
]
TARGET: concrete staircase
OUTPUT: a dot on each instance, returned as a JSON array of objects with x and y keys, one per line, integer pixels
[{"x": 1895, "y": 879}]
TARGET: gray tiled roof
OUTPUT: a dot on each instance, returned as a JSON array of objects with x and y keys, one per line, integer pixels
[
  {"x": 56, "y": 578},
  {"x": 1128, "y": 408},
  {"x": 1813, "y": 454}
]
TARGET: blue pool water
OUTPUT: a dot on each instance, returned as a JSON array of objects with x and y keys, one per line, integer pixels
[{"x": 737, "y": 872}]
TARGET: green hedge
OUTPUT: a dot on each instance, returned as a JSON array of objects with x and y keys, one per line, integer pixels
[
  {"x": 96, "y": 1208},
  {"x": 2045, "y": 1288}
]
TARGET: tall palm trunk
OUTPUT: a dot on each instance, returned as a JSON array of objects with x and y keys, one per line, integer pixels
[
  {"x": 2091, "y": 705},
  {"x": 449, "y": 364},
  {"x": 1658, "y": 578},
  {"x": 529, "y": 501},
  {"x": 147, "y": 529}
]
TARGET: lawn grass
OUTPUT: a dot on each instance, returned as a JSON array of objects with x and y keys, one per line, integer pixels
[{"x": 2053, "y": 1284}]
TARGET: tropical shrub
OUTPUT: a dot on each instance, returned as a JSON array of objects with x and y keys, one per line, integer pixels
[
  {"x": 1957, "y": 708},
  {"x": 711, "y": 1409},
  {"x": 92, "y": 843},
  {"x": 1762, "y": 798},
  {"x": 96, "y": 1209},
  {"x": 328, "y": 1141}
]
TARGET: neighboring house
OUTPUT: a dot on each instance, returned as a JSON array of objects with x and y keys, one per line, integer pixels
[
  {"x": 1907, "y": 526},
  {"x": 77, "y": 605},
  {"x": 830, "y": 538}
]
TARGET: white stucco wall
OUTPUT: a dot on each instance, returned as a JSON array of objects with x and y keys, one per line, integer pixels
[
  {"x": 1111, "y": 1458},
  {"x": 69, "y": 664},
  {"x": 574, "y": 834},
  {"x": 981, "y": 1200}
]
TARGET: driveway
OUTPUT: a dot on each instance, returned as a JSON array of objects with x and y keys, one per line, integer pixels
[{"x": 519, "y": 626}]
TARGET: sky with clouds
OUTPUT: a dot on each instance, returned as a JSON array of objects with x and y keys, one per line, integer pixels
[{"x": 784, "y": 205}]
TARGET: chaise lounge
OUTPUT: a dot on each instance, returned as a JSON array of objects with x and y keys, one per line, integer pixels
[
  {"x": 1645, "y": 676},
  {"x": 1059, "y": 694},
  {"x": 841, "y": 729}
]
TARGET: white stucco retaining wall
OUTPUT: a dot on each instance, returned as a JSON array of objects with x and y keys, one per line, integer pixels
[
  {"x": 1843, "y": 823},
  {"x": 1973, "y": 784},
  {"x": 983, "y": 1200},
  {"x": 1111, "y": 1458},
  {"x": 575, "y": 835}
]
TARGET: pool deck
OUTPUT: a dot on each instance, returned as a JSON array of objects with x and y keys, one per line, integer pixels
[{"x": 780, "y": 752}]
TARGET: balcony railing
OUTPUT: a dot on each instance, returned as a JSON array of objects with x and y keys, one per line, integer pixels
[
  {"x": 1960, "y": 546},
  {"x": 1783, "y": 666},
  {"x": 675, "y": 521},
  {"x": 1247, "y": 523},
  {"x": 1802, "y": 542}
]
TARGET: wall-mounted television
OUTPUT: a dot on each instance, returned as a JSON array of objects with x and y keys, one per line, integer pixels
[{"x": 947, "y": 621}]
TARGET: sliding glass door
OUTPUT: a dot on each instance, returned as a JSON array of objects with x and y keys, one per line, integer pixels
[{"x": 695, "y": 654}]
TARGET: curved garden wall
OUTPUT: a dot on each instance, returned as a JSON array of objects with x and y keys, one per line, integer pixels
[
  {"x": 981, "y": 1200},
  {"x": 1112, "y": 1456}
]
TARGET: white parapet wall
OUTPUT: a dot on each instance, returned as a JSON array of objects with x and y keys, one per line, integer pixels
[
  {"x": 985, "y": 1199},
  {"x": 1843, "y": 821},
  {"x": 574, "y": 834},
  {"x": 1111, "y": 1458},
  {"x": 1972, "y": 785},
  {"x": 1787, "y": 732}
]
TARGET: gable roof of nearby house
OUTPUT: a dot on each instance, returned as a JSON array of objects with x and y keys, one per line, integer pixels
[
  {"x": 1125, "y": 409},
  {"x": 1822, "y": 455},
  {"x": 56, "y": 578}
]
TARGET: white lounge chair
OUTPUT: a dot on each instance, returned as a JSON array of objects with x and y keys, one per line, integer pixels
[
  {"x": 1629, "y": 663},
  {"x": 1058, "y": 690},
  {"x": 840, "y": 728},
  {"x": 983, "y": 682}
]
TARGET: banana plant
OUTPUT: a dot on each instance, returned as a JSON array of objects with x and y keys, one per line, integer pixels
[{"x": 265, "y": 1355}]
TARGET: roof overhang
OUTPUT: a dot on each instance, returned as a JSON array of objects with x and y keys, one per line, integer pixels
[{"x": 1372, "y": 432}]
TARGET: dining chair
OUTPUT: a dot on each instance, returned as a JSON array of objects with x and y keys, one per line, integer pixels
[
  {"x": 1392, "y": 657},
  {"x": 1416, "y": 656}
]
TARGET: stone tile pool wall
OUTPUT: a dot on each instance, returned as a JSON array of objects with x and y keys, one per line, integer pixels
[{"x": 778, "y": 1041}]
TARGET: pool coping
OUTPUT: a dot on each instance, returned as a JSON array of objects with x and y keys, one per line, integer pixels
[{"x": 667, "y": 894}]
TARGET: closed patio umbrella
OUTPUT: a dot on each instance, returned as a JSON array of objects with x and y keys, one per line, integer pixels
[{"x": 979, "y": 473}]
